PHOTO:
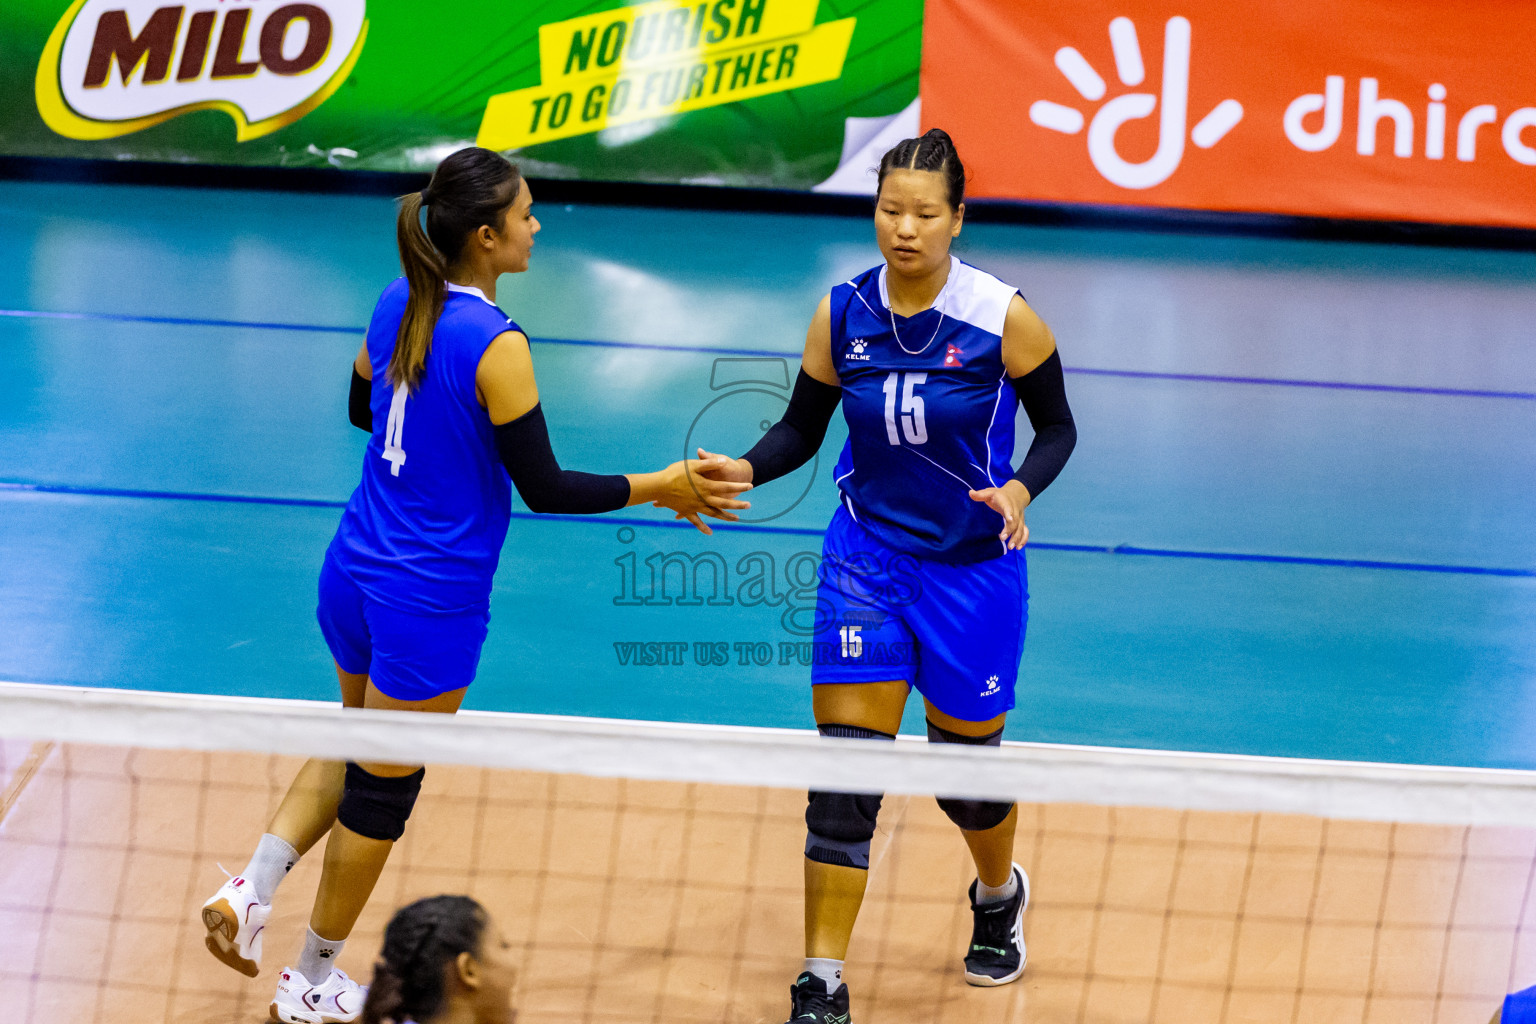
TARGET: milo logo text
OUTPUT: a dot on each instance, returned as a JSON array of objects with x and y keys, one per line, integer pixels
[{"x": 112, "y": 67}]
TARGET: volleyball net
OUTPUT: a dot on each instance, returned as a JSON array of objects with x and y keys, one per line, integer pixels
[{"x": 653, "y": 871}]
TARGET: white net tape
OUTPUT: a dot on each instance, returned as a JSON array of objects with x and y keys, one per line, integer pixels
[{"x": 795, "y": 759}]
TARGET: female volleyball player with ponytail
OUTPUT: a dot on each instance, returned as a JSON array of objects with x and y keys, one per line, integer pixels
[
  {"x": 445, "y": 385},
  {"x": 930, "y": 358}
]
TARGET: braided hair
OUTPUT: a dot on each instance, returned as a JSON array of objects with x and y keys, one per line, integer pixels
[
  {"x": 934, "y": 151},
  {"x": 421, "y": 940}
]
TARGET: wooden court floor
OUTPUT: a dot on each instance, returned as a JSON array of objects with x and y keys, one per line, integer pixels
[{"x": 666, "y": 902}]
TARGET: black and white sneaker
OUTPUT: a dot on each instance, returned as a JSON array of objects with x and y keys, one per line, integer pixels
[
  {"x": 811, "y": 1003},
  {"x": 997, "y": 954}
]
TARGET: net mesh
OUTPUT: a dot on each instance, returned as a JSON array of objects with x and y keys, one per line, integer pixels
[{"x": 645, "y": 899}]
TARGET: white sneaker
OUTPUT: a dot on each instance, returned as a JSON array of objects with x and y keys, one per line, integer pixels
[
  {"x": 337, "y": 1000},
  {"x": 235, "y": 919}
]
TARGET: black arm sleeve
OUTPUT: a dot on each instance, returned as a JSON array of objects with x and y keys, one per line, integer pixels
[
  {"x": 1043, "y": 393},
  {"x": 358, "y": 410},
  {"x": 791, "y": 442},
  {"x": 543, "y": 485}
]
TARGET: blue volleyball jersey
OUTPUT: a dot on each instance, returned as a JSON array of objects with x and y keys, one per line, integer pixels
[
  {"x": 930, "y": 413},
  {"x": 424, "y": 529},
  {"x": 1519, "y": 1007}
]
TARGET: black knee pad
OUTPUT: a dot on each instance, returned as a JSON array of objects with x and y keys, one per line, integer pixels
[
  {"x": 378, "y": 806},
  {"x": 971, "y": 815},
  {"x": 840, "y": 826}
]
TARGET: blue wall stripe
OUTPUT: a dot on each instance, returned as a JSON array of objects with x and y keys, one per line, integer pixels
[
  {"x": 180, "y": 321},
  {"x": 1198, "y": 378},
  {"x": 666, "y": 524},
  {"x": 1334, "y": 385}
]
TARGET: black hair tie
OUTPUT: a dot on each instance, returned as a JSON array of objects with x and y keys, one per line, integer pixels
[{"x": 426, "y": 195}]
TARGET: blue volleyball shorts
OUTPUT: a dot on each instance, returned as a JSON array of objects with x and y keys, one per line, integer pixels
[
  {"x": 410, "y": 656},
  {"x": 955, "y": 632}
]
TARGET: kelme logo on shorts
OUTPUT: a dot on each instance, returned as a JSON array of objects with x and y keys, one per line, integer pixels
[
  {"x": 1173, "y": 117},
  {"x": 112, "y": 67}
]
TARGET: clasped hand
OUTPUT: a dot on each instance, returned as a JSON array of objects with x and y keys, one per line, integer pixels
[{"x": 706, "y": 486}]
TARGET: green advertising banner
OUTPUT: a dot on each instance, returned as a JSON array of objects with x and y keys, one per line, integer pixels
[{"x": 768, "y": 93}]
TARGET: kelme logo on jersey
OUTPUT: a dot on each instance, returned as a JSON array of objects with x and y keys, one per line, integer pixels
[
  {"x": 668, "y": 57},
  {"x": 1173, "y": 117},
  {"x": 112, "y": 67}
]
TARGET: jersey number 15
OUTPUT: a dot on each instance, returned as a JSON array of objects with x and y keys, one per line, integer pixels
[{"x": 912, "y": 424}]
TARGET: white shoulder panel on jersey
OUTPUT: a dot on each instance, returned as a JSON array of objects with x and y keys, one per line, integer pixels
[
  {"x": 860, "y": 295},
  {"x": 468, "y": 289},
  {"x": 464, "y": 289},
  {"x": 976, "y": 297}
]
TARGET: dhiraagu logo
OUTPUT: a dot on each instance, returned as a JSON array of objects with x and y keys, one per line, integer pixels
[
  {"x": 1131, "y": 70},
  {"x": 668, "y": 57},
  {"x": 112, "y": 67}
]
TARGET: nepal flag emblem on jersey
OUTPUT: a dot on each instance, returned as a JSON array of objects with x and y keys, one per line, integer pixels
[{"x": 952, "y": 356}]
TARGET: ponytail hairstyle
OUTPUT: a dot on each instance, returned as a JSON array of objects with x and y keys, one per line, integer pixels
[
  {"x": 934, "y": 151},
  {"x": 421, "y": 941},
  {"x": 470, "y": 188}
]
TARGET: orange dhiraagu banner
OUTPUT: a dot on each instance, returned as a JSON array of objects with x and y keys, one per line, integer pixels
[{"x": 1418, "y": 110}]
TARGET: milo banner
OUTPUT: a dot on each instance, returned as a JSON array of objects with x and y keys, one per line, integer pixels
[
  {"x": 772, "y": 93},
  {"x": 1415, "y": 110}
]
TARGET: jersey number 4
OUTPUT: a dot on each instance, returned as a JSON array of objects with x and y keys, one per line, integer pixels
[
  {"x": 912, "y": 424},
  {"x": 394, "y": 432}
]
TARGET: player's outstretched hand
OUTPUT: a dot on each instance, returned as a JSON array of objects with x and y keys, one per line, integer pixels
[
  {"x": 694, "y": 488},
  {"x": 736, "y": 470},
  {"x": 1008, "y": 501}
]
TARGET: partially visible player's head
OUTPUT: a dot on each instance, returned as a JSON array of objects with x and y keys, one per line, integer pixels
[
  {"x": 479, "y": 219},
  {"x": 442, "y": 955},
  {"x": 920, "y": 203}
]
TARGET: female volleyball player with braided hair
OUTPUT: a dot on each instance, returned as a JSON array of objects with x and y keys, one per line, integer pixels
[
  {"x": 923, "y": 579},
  {"x": 444, "y": 383},
  {"x": 443, "y": 960}
]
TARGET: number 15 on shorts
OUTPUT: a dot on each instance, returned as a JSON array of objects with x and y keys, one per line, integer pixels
[{"x": 853, "y": 644}]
